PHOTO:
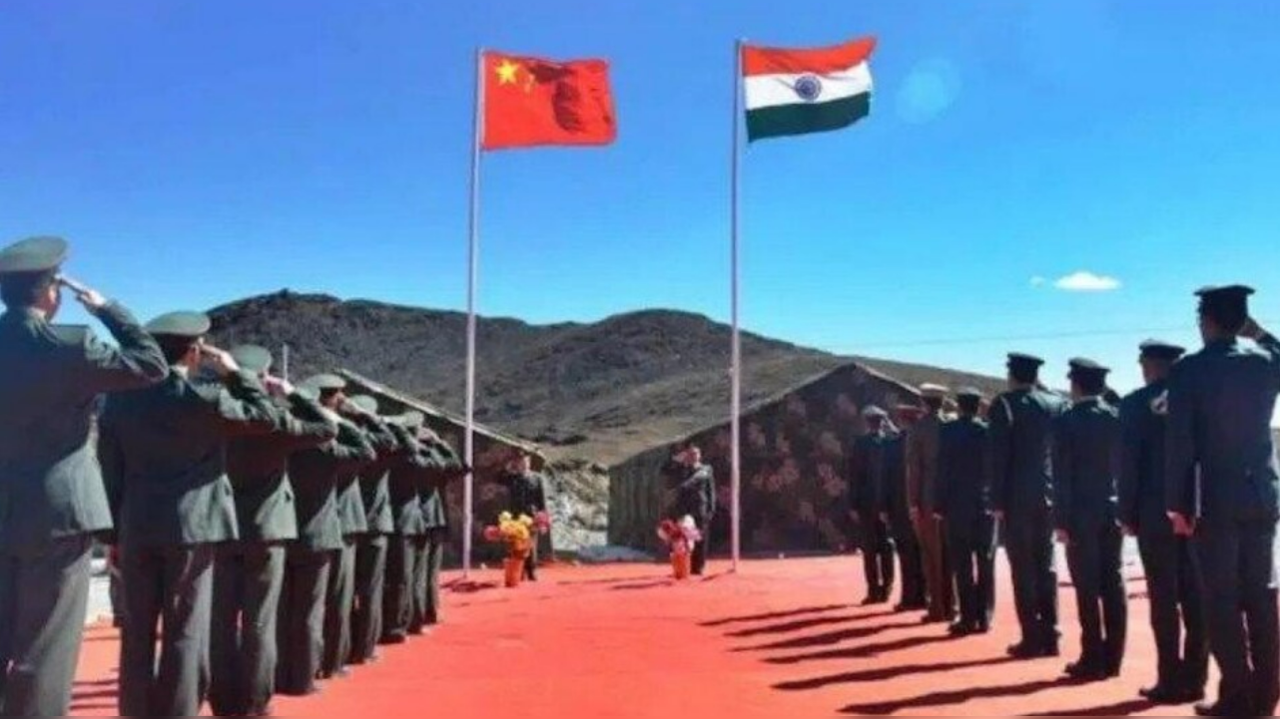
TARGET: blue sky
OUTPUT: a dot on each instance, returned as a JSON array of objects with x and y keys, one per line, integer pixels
[{"x": 199, "y": 152}]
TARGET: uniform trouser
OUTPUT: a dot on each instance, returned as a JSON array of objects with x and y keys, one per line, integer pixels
[
  {"x": 339, "y": 598},
  {"x": 43, "y": 598},
  {"x": 426, "y": 609},
  {"x": 174, "y": 587},
  {"x": 877, "y": 556},
  {"x": 366, "y": 612},
  {"x": 972, "y": 546},
  {"x": 247, "y": 577},
  {"x": 531, "y": 561},
  {"x": 937, "y": 578},
  {"x": 1093, "y": 555},
  {"x": 1238, "y": 559},
  {"x": 698, "y": 562},
  {"x": 1029, "y": 544},
  {"x": 418, "y": 585},
  {"x": 909, "y": 563},
  {"x": 300, "y": 634},
  {"x": 1175, "y": 588},
  {"x": 397, "y": 598}
]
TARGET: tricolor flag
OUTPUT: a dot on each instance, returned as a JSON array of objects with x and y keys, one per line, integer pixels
[
  {"x": 531, "y": 101},
  {"x": 797, "y": 91}
]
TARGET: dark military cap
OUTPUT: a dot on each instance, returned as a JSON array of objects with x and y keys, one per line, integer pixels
[
  {"x": 872, "y": 411},
  {"x": 1019, "y": 359},
  {"x": 1232, "y": 298},
  {"x": 35, "y": 254},
  {"x": 1083, "y": 367},
  {"x": 180, "y": 324},
  {"x": 252, "y": 358},
  {"x": 364, "y": 403},
  {"x": 325, "y": 382},
  {"x": 1155, "y": 349},
  {"x": 973, "y": 392}
]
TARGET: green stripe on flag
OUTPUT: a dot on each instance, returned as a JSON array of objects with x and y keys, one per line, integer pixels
[{"x": 781, "y": 120}]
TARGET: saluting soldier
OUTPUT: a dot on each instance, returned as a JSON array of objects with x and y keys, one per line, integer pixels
[
  {"x": 695, "y": 488},
  {"x": 445, "y": 467},
  {"x": 964, "y": 505},
  {"x": 1086, "y": 462},
  {"x": 1221, "y": 490},
  {"x": 402, "y": 547},
  {"x": 526, "y": 494},
  {"x": 371, "y": 547},
  {"x": 865, "y": 500},
  {"x": 315, "y": 473},
  {"x": 896, "y": 510},
  {"x": 922, "y": 479},
  {"x": 163, "y": 453},
  {"x": 1174, "y": 581},
  {"x": 52, "y": 500},
  {"x": 248, "y": 573},
  {"x": 1020, "y": 432}
]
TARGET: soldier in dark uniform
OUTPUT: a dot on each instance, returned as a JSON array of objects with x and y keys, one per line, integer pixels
[
  {"x": 1221, "y": 490},
  {"x": 315, "y": 474},
  {"x": 52, "y": 501},
  {"x": 402, "y": 546},
  {"x": 526, "y": 495},
  {"x": 371, "y": 548},
  {"x": 963, "y": 504},
  {"x": 163, "y": 454},
  {"x": 695, "y": 488},
  {"x": 922, "y": 479},
  {"x": 1086, "y": 463},
  {"x": 1020, "y": 434},
  {"x": 896, "y": 511},
  {"x": 445, "y": 467},
  {"x": 248, "y": 573},
  {"x": 865, "y": 499},
  {"x": 1174, "y": 581}
]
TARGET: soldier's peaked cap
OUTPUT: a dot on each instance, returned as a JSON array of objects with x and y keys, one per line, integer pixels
[
  {"x": 365, "y": 402},
  {"x": 1156, "y": 349},
  {"x": 936, "y": 391},
  {"x": 180, "y": 324},
  {"x": 972, "y": 392},
  {"x": 872, "y": 411},
  {"x": 412, "y": 419},
  {"x": 1233, "y": 297},
  {"x": 1084, "y": 367},
  {"x": 325, "y": 381},
  {"x": 1020, "y": 359},
  {"x": 34, "y": 254},
  {"x": 252, "y": 358}
]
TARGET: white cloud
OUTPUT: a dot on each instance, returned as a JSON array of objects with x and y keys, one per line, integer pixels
[{"x": 1084, "y": 281}]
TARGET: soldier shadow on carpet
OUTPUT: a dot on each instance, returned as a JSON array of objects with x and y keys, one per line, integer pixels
[
  {"x": 649, "y": 584},
  {"x": 957, "y": 696},
  {"x": 468, "y": 586},
  {"x": 1126, "y": 708},
  {"x": 802, "y": 624},
  {"x": 784, "y": 614},
  {"x": 880, "y": 674},
  {"x": 829, "y": 638},
  {"x": 865, "y": 651}
]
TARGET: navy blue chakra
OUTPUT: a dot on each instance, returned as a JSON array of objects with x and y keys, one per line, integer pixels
[{"x": 808, "y": 87}]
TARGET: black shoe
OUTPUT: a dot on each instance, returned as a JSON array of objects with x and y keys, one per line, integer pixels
[
  {"x": 1025, "y": 650},
  {"x": 393, "y": 639},
  {"x": 961, "y": 629},
  {"x": 933, "y": 619},
  {"x": 1166, "y": 695},
  {"x": 1085, "y": 671},
  {"x": 869, "y": 601},
  {"x": 1050, "y": 650},
  {"x": 1222, "y": 709}
]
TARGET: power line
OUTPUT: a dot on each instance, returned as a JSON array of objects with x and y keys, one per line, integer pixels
[{"x": 1075, "y": 334}]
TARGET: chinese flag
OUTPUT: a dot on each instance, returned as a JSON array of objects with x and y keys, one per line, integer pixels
[{"x": 529, "y": 101}]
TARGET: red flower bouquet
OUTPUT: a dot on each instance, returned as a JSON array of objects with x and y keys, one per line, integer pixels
[
  {"x": 680, "y": 537},
  {"x": 542, "y": 522}
]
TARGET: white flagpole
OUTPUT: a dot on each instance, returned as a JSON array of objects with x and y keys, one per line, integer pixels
[
  {"x": 284, "y": 362},
  {"x": 735, "y": 472},
  {"x": 472, "y": 263}
]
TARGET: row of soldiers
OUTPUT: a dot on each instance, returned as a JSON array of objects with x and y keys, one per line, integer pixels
[
  {"x": 1186, "y": 464},
  {"x": 267, "y": 535}
]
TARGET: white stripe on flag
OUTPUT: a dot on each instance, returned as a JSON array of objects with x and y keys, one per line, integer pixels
[{"x": 771, "y": 90}]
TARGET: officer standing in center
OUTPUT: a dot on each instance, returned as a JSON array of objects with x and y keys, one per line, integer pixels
[
  {"x": 52, "y": 501},
  {"x": 526, "y": 495},
  {"x": 1221, "y": 490},
  {"x": 695, "y": 496},
  {"x": 1174, "y": 581},
  {"x": 1021, "y": 431},
  {"x": 865, "y": 498},
  {"x": 922, "y": 480}
]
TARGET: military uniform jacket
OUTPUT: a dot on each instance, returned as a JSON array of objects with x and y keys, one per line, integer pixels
[
  {"x": 374, "y": 492},
  {"x": 963, "y": 490},
  {"x": 351, "y": 514},
  {"x": 1021, "y": 436},
  {"x": 1141, "y": 482},
  {"x": 1087, "y": 452},
  {"x": 694, "y": 489},
  {"x": 525, "y": 493},
  {"x": 445, "y": 466},
  {"x": 50, "y": 376},
  {"x": 163, "y": 453},
  {"x": 315, "y": 473},
  {"x": 892, "y": 478},
  {"x": 922, "y": 462},
  {"x": 863, "y": 475},
  {"x": 258, "y": 467},
  {"x": 1220, "y": 404},
  {"x": 404, "y": 482}
]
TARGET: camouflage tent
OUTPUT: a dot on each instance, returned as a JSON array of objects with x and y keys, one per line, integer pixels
[
  {"x": 793, "y": 467},
  {"x": 492, "y": 451}
]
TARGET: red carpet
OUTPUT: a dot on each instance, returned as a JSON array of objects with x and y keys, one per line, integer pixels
[{"x": 781, "y": 638}]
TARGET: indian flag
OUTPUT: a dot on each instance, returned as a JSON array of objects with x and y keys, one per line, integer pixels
[{"x": 797, "y": 91}]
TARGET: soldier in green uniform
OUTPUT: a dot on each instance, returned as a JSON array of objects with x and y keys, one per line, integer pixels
[
  {"x": 963, "y": 503},
  {"x": 445, "y": 467},
  {"x": 865, "y": 498},
  {"x": 896, "y": 511},
  {"x": 922, "y": 479},
  {"x": 406, "y": 508},
  {"x": 371, "y": 548},
  {"x": 163, "y": 455},
  {"x": 1222, "y": 491},
  {"x": 1086, "y": 461},
  {"x": 526, "y": 494},
  {"x": 52, "y": 501},
  {"x": 1020, "y": 436},
  {"x": 695, "y": 488},
  {"x": 248, "y": 574},
  {"x": 314, "y": 473},
  {"x": 1174, "y": 581}
]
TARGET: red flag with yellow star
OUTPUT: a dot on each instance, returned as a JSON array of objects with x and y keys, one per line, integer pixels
[{"x": 530, "y": 101}]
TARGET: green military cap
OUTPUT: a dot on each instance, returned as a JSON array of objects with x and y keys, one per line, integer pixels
[
  {"x": 32, "y": 255},
  {"x": 180, "y": 324},
  {"x": 1155, "y": 349},
  {"x": 306, "y": 391},
  {"x": 364, "y": 403},
  {"x": 1021, "y": 359},
  {"x": 252, "y": 358},
  {"x": 325, "y": 381},
  {"x": 933, "y": 391},
  {"x": 970, "y": 392},
  {"x": 1083, "y": 367},
  {"x": 872, "y": 411},
  {"x": 412, "y": 419}
]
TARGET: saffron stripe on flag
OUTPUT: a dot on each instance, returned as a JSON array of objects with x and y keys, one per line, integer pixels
[{"x": 818, "y": 61}]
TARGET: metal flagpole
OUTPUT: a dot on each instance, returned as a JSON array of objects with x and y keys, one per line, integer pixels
[
  {"x": 735, "y": 475},
  {"x": 284, "y": 362},
  {"x": 468, "y": 450}
]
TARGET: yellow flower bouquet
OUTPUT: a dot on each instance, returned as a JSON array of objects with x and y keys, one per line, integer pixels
[{"x": 515, "y": 532}]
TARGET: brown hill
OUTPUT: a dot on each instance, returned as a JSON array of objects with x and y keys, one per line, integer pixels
[{"x": 603, "y": 390}]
